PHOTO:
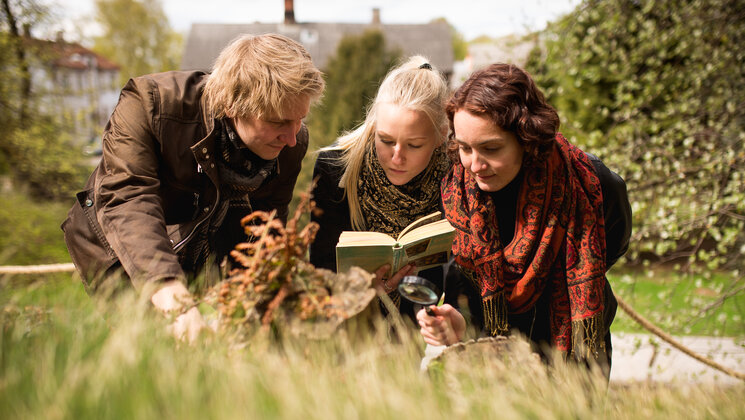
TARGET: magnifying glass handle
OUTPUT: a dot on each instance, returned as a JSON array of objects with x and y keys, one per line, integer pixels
[{"x": 429, "y": 311}]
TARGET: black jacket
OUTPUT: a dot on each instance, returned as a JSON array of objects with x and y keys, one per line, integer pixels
[{"x": 335, "y": 218}]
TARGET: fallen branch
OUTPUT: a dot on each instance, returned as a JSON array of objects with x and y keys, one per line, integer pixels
[
  {"x": 36, "y": 269},
  {"x": 670, "y": 340}
]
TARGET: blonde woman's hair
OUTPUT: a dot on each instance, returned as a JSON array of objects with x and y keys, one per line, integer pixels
[
  {"x": 258, "y": 75},
  {"x": 415, "y": 85}
]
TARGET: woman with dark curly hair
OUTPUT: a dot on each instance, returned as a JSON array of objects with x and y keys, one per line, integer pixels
[{"x": 538, "y": 221}]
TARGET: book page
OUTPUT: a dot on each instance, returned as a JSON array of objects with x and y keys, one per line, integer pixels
[
  {"x": 441, "y": 226},
  {"x": 360, "y": 238},
  {"x": 420, "y": 222}
]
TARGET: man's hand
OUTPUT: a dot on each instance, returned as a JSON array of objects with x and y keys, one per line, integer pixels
[
  {"x": 386, "y": 286},
  {"x": 173, "y": 296},
  {"x": 446, "y": 327},
  {"x": 188, "y": 325}
]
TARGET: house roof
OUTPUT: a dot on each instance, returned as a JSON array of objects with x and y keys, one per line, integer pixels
[
  {"x": 432, "y": 40},
  {"x": 71, "y": 55}
]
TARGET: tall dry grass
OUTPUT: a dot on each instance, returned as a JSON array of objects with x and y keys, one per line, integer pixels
[{"x": 61, "y": 357}]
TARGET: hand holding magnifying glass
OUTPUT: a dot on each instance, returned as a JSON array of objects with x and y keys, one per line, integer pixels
[{"x": 420, "y": 290}]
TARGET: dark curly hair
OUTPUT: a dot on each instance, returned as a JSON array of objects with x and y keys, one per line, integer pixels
[{"x": 507, "y": 95}]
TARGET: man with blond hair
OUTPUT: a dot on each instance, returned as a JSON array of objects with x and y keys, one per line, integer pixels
[{"x": 186, "y": 155}]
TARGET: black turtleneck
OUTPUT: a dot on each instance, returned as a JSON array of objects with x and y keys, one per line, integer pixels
[{"x": 505, "y": 204}]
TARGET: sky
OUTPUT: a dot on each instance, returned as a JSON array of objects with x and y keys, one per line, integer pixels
[{"x": 470, "y": 17}]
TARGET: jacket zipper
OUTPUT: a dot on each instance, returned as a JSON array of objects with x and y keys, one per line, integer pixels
[{"x": 212, "y": 210}]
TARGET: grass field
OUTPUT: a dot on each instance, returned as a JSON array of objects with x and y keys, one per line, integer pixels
[
  {"x": 60, "y": 358},
  {"x": 681, "y": 304}
]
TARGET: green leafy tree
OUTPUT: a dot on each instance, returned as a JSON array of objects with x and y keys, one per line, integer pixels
[
  {"x": 353, "y": 75},
  {"x": 657, "y": 88},
  {"x": 352, "y": 79},
  {"x": 35, "y": 152},
  {"x": 137, "y": 36},
  {"x": 16, "y": 21},
  {"x": 460, "y": 46}
]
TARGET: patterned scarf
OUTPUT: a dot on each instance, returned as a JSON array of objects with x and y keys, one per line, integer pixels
[
  {"x": 559, "y": 244},
  {"x": 390, "y": 208},
  {"x": 241, "y": 172}
]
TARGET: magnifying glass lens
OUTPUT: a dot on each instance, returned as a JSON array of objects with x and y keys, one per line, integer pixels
[
  {"x": 418, "y": 293},
  {"x": 419, "y": 290}
]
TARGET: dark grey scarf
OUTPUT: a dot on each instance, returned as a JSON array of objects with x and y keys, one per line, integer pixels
[{"x": 240, "y": 172}]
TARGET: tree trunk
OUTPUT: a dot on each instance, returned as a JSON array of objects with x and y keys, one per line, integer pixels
[{"x": 20, "y": 52}]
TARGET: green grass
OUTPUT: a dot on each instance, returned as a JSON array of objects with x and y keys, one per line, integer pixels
[
  {"x": 63, "y": 357},
  {"x": 680, "y": 304},
  {"x": 30, "y": 230},
  {"x": 60, "y": 358}
]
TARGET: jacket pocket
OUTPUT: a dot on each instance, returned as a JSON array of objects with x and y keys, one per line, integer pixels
[{"x": 86, "y": 243}]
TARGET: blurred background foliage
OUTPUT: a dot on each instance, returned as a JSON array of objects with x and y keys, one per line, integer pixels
[
  {"x": 137, "y": 36},
  {"x": 36, "y": 151},
  {"x": 353, "y": 75}
]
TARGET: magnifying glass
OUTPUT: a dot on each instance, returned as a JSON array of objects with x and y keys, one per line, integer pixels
[{"x": 420, "y": 290}]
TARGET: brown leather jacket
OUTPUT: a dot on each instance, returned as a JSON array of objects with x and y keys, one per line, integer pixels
[{"x": 157, "y": 182}]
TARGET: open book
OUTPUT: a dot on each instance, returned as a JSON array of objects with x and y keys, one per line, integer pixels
[{"x": 426, "y": 242}]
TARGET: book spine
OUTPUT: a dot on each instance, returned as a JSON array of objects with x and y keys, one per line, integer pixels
[{"x": 398, "y": 258}]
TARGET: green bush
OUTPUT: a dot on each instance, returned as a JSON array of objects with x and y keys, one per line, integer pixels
[
  {"x": 680, "y": 304},
  {"x": 655, "y": 88},
  {"x": 43, "y": 160},
  {"x": 353, "y": 75},
  {"x": 30, "y": 230}
]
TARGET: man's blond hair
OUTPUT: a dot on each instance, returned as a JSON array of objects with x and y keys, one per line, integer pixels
[{"x": 260, "y": 75}]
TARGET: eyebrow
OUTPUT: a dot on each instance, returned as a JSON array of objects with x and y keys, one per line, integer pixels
[
  {"x": 386, "y": 135},
  {"x": 481, "y": 143},
  {"x": 282, "y": 120}
]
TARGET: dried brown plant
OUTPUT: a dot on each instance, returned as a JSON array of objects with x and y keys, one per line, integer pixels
[{"x": 273, "y": 284}]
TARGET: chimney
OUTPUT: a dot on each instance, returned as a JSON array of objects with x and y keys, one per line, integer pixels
[
  {"x": 289, "y": 12},
  {"x": 376, "y": 16}
]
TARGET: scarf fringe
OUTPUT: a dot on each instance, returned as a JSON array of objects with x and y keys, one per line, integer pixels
[
  {"x": 495, "y": 314},
  {"x": 395, "y": 298},
  {"x": 588, "y": 342}
]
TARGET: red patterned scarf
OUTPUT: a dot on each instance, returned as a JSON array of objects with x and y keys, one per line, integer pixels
[{"x": 559, "y": 243}]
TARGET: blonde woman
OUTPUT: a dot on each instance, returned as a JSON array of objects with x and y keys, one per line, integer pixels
[
  {"x": 185, "y": 156},
  {"x": 386, "y": 173}
]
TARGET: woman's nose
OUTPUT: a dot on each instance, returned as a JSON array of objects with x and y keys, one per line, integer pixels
[
  {"x": 398, "y": 155},
  {"x": 476, "y": 164}
]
